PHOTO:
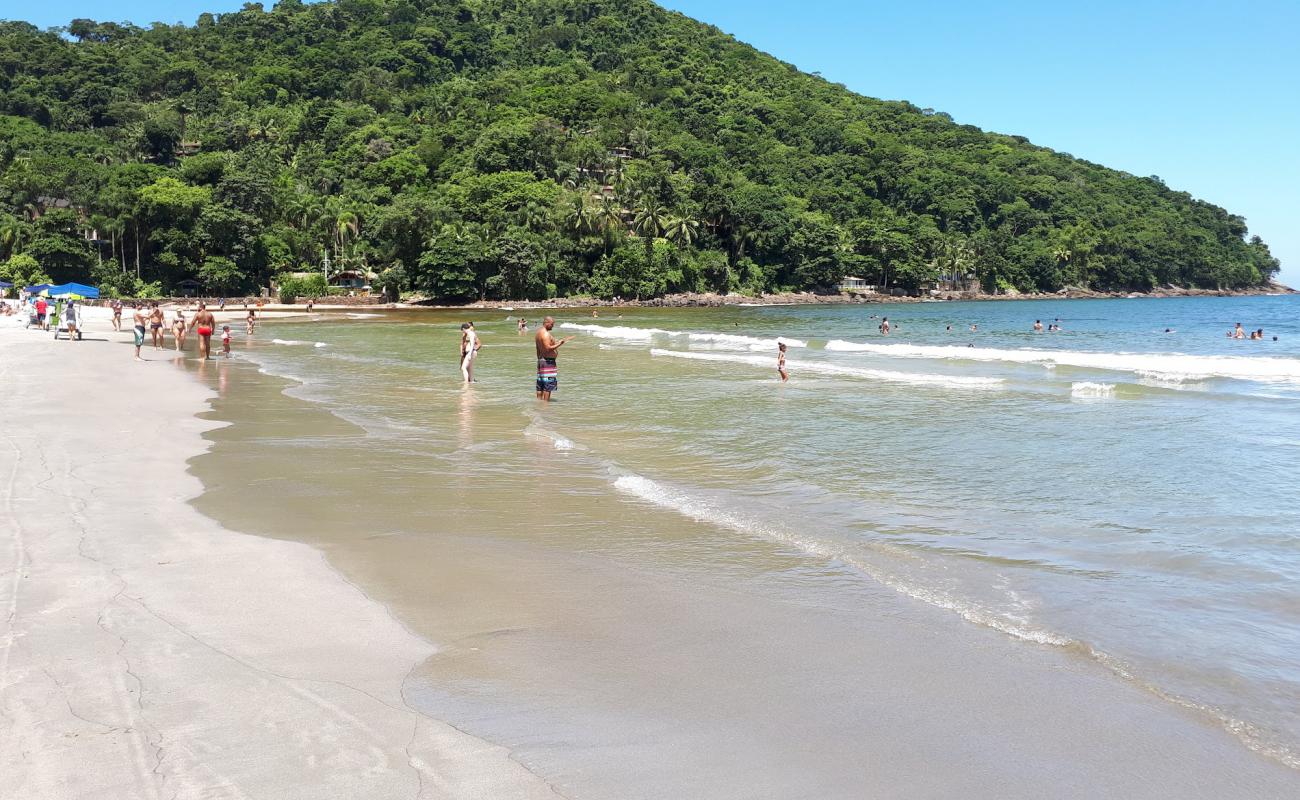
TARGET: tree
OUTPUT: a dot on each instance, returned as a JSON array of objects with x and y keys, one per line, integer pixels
[
  {"x": 681, "y": 230},
  {"x": 23, "y": 270},
  {"x": 817, "y": 252},
  {"x": 649, "y": 223}
]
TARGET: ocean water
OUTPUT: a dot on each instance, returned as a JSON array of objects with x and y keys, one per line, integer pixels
[{"x": 1122, "y": 491}]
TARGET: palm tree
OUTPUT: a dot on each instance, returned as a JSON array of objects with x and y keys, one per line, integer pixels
[
  {"x": 650, "y": 223},
  {"x": 740, "y": 236},
  {"x": 12, "y": 234},
  {"x": 534, "y": 216},
  {"x": 681, "y": 230},
  {"x": 577, "y": 216},
  {"x": 609, "y": 218}
]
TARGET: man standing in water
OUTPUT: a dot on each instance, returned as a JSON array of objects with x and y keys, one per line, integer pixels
[
  {"x": 547, "y": 351},
  {"x": 204, "y": 324}
]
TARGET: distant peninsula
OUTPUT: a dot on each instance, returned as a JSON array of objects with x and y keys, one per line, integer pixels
[{"x": 472, "y": 151}]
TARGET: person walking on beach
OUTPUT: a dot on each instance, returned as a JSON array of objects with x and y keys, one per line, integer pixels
[
  {"x": 252, "y": 321},
  {"x": 70, "y": 314},
  {"x": 780, "y": 362},
  {"x": 469, "y": 346},
  {"x": 204, "y": 324},
  {"x": 116, "y": 305},
  {"x": 42, "y": 307},
  {"x": 225, "y": 341},
  {"x": 156, "y": 325},
  {"x": 178, "y": 330},
  {"x": 138, "y": 320},
  {"x": 548, "y": 373}
]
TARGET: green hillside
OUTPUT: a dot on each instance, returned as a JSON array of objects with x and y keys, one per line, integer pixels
[{"x": 524, "y": 148}]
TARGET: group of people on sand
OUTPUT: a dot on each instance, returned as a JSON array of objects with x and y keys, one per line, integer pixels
[
  {"x": 149, "y": 318},
  {"x": 1240, "y": 333},
  {"x": 547, "y": 349}
]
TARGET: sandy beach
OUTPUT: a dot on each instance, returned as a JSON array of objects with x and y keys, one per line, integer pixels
[
  {"x": 146, "y": 652},
  {"x": 149, "y": 652}
]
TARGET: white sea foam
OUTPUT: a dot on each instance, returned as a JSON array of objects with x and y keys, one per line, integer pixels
[
  {"x": 726, "y": 340},
  {"x": 742, "y": 342},
  {"x": 1170, "y": 367},
  {"x": 835, "y": 370},
  {"x": 1089, "y": 389},
  {"x": 296, "y": 342},
  {"x": 705, "y": 510},
  {"x": 617, "y": 331}
]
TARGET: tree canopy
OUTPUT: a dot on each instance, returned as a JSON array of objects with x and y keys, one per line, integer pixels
[{"x": 529, "y": 148}]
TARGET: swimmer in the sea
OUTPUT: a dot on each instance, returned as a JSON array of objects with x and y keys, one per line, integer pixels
[{"x": 780, "y": 362}]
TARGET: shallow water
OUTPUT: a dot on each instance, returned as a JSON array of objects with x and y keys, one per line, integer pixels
[{"x": 1121, "y": 493}]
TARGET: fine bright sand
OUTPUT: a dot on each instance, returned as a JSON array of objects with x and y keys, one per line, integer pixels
[{"x": 146, "y": 652}]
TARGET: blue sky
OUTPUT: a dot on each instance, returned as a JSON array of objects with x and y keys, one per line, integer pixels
[{"x": 1204, "y": 94}]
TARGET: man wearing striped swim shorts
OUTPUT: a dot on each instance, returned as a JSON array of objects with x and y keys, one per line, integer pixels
[{"x": 547, "y": 351}]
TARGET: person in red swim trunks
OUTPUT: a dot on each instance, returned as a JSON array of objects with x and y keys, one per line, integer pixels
[{"x": 204, "y": 324}]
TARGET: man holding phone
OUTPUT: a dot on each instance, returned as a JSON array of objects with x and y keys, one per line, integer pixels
[{"x": 548, "y": 376}]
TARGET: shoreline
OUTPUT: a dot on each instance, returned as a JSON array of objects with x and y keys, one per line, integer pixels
[
  {"x": 309, "y": 671},
  {"x": 270, "y": 310},
  {"x": 515, "y": 616},
  {"x": 149, "y": 652}
]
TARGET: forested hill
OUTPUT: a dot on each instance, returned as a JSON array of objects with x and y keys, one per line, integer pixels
[{"x": 520, "y": 148}]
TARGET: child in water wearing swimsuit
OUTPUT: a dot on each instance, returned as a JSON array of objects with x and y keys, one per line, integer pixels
[
  {"x": 225, "y": 340},
  {"x": 780, "y": 362}
]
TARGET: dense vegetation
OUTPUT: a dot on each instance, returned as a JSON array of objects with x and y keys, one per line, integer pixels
[{"x": 511, "y": 148}]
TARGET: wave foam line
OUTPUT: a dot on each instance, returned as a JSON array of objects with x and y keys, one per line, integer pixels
[
  {"x": 1017, "y": 627},
  {"x": 912, "y": 378},
  {"x": 298, "y": 342},
  {"x": 646, "y": 334},
  {"x": 1169, "y": 367},
  {"x": 1092, "y": 390},
  {"x": 702, "y": 510}
]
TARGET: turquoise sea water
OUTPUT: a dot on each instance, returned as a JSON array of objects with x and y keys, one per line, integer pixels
[{"x": 1115, "y": 490}]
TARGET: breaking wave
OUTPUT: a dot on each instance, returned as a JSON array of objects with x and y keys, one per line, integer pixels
[
  {"x": 1165, "y": 367},
  {"x": 730, "y": 340},
  {"x": 816, "y": 367}
]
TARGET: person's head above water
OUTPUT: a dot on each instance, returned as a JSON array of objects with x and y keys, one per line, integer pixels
[
  {"x": 780, "y": 346},
  {"x": 464, "y": 326},
  {"x": 548, "y": 323}
]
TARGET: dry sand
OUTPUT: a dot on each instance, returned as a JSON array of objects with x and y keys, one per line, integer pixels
[{"x": 146, "y": 652}]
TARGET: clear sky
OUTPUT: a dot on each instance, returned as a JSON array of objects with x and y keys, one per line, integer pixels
[{"x": 1204, "y": 94}]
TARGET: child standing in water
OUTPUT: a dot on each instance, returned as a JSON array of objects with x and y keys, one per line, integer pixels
[
  {"x": 225, "y": 340},
  {"x": 780, "y": 362}
]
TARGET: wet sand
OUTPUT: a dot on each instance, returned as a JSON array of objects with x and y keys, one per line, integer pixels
[
  {"x": 148, "y": 652},
  {"x": 591, "y": 636}
]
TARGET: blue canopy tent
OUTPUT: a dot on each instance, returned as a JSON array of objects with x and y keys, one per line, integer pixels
[
  {"x": 40, "y": 288},
  {"x": 75, "y": 290},
  {"x": 6, "y": 285}
]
